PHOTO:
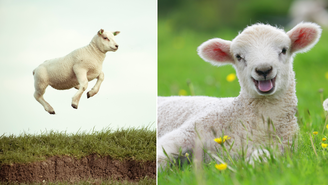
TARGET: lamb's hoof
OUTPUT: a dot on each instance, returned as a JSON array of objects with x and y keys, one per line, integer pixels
[
  {"x": 52, "y": 112},
  {"x": 88, "y": 95},
  {"x": 74, "y": 106}
]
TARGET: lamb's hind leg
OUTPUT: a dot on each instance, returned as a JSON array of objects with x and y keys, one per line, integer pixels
[
  {"x": 40, "y": 89},
  {"x": 95, "y": 89},
  {"x": 81, "y": 75},
  {"x": 172, "y": 142}
]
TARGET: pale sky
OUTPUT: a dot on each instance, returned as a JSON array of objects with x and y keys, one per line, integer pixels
[{"x": 37, "y": 30}]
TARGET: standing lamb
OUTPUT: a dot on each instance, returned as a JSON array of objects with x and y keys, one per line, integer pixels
[
  {"x": 75, "y": 69},
  {"x": 262, "y": 56}
]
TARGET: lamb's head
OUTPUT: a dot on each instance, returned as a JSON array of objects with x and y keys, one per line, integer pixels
[
  {"x": 262, "y": 55},
  {"x": 105, "y": 41}
]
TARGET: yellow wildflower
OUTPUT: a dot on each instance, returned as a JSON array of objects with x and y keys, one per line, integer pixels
[
  {"x": 324, "y": 139},
  {"x": 326, "y": 75},
  {"x": 315, "y": 133},
  {"x": 226, "y": 138},
  {"x": 182, "y": 92},
  {"x": 327, "y": 126},
  {"x": 222, "y": 166},
  {"x": 231, "y": 77},
  {"x": 218, "y": 140},
  {"x": 187, "y": 155},
  {"x": 324, "y": 145}
]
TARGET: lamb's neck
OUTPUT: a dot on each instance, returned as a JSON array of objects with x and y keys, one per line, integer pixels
[{"x": 96, "y": 51}]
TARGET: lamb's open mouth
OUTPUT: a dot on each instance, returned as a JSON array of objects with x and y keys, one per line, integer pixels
[{"x": 265, "y": 86}]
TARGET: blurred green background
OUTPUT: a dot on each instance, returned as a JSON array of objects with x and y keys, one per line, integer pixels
[
  {"x": 183, "y": 25},
  {"x": 212, "y": 15}
]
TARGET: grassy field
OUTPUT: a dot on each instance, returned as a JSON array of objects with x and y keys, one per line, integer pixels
[
  {"x": 132, "y": 143},
  {"x": 182, "y": 72}
]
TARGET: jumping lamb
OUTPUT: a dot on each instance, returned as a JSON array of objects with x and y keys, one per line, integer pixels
[
  {"x": 262, "y": 56},
  {"x": 75, "y": 69}
]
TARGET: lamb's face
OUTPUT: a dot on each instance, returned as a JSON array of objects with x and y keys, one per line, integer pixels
[
  {"x": 262, "y": 60},
  {"x": 262, "y": 56},
  {"x": 105, "y": 40}
]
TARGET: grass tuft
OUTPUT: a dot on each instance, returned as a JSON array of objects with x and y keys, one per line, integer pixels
[{"x": 131, "y": 143}]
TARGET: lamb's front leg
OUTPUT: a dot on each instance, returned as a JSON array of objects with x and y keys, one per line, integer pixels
[
  {"x": 172, "y": 142},
  {"x": 95, "y": 89},
  {"x": 261, "y": 154},
  {"x": 81, "y": 75},
  {"x": 258, "y": 155}
]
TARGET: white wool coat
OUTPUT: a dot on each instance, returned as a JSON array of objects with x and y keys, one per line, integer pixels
[
  {"x": 241, "y": 118},
  {"x": 75, "y": 69}
]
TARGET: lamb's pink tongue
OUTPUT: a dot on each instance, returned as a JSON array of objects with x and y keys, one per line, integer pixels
[{"x": 265, "y": 85}]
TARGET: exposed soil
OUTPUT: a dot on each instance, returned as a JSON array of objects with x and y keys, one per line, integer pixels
[{"x": 69, "y": 169}]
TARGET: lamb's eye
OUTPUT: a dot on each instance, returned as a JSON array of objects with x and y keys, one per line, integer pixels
[
  {"x": 284, "y": 50},
  {"x": 238, "y": 57},
  {"x": 105, "y": 38}
]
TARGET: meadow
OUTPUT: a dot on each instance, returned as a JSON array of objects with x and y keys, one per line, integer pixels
[{"x": 182, "y": 72}]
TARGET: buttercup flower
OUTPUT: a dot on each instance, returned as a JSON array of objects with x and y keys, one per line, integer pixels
[
  {"x": 315, "y": 133},
  {"x": 327, "y": 126},
  {"x": 324, "y": 145},
  {"x": 222, "y": 166},
  {"x": 220, "y": 140},
  {"x": 182, "y": 92},
  {"x": 324, "y": 139},
  {"x": 187, "y": 155},
  {"x": 231, "y": 77},
  {"x": 226, "y": 138}
]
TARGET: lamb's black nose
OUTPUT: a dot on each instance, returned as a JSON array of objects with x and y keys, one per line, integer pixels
[
  {"x": 263, "y": 71},
  {"x": 116, "y": 46}
]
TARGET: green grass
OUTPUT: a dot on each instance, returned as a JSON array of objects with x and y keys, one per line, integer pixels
[
  {"x": 131, "y": 143},
  {"x": 300, "y": 166},
  {"x": 179, "y": 64}
]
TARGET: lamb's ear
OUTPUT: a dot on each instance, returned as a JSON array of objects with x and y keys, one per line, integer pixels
[
  {"x": 116, "y": 33},
  {"x": 216, "y": 51},
  {"x": 101, "y": 31},
  {"x": 304, "y": 36}
]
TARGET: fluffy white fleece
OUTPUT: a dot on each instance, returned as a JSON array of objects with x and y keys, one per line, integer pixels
[
  {"x": 262, "y": 56},
  {"x": 75, "y": 69}
]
